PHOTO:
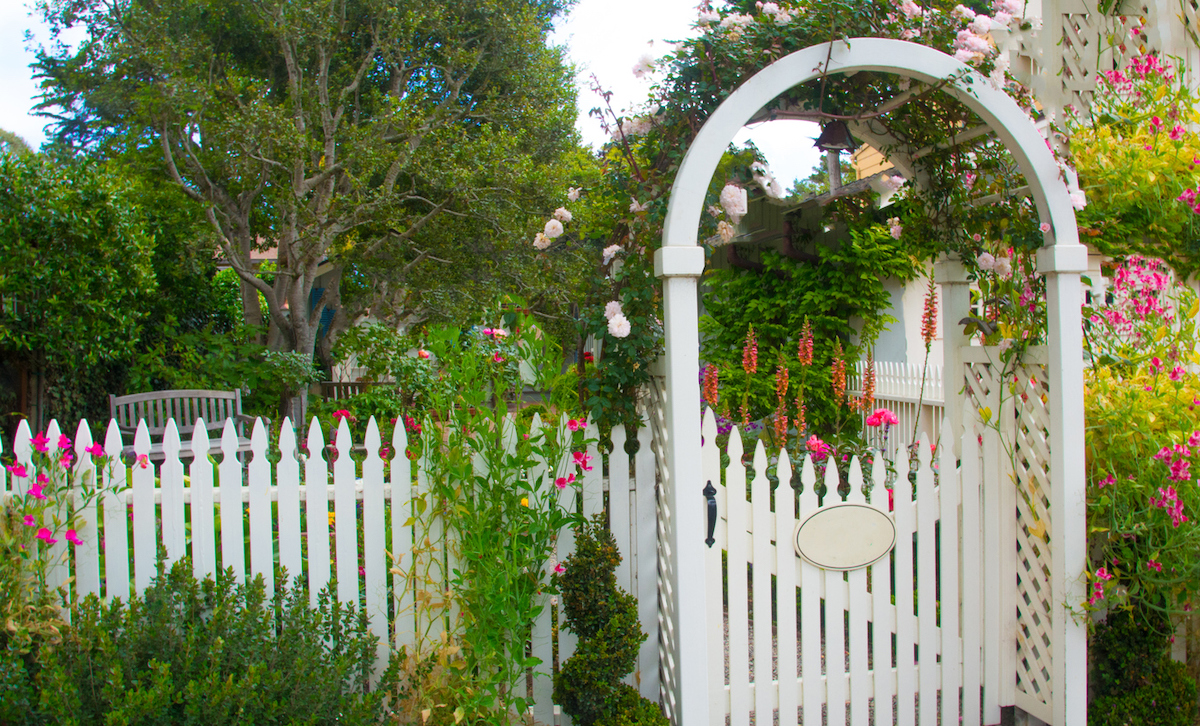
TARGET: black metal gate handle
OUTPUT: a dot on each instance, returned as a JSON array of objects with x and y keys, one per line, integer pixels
[{"x": 710, "y": 494}]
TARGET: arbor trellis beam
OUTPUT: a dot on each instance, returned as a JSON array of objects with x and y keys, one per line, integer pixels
[{"x": 680, "y": 262}]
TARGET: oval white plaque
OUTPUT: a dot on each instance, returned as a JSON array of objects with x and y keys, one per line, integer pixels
[{"x": 845, "y": 536}]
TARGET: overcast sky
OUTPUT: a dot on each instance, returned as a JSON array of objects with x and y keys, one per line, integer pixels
[{"x": 604, "y": 37}]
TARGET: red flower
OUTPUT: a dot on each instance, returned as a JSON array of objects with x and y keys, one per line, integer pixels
[{"x": 44, "y": 535}]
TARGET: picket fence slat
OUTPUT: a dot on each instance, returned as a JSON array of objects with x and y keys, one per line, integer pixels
[
  {"x": 859, "y": 602},
  {"x": 926, "y": 587},
  {"x": 287, "y": 496},
  {"x": 883, "y": 611},
  {"x": 785, "y": 558},
  {"x": 87, "y": 555},
  {"x": 813, "y": 687},
  {"x": 949, "y": 594},
  {"x": 762, "y": 522},
  {"x": 710, "y": 462},
  {"x": 258, "y": 474},
  {"x": 646, "y": 551},
  {"x": 906, "y": 626},
  {"x": 57, "y": 573},
  {"x": 116, "y": 522},
  {"x": 739, "y": 556},
  {"x": 345, "y": 519},
  {"x": 618, "y": 507},
  {"x": 145, "y": 539},
  {"x": 972, "y": 580},
  {"x": 233, "y": 549},
  {"x": 541, "y": 640},
  {"x": 316, "y": 510},
  {"x": 375, "y": 545},
  {"x": 174, "y": 534},
  {"x": 835, "y": 635}
]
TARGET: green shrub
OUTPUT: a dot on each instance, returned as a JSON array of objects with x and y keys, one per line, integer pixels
[
  {"x": 1133, "y": 677},
  {"x": 191, "y": 652},
  {"x": 589, "y": 687}
]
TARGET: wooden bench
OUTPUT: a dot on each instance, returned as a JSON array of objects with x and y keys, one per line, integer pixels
[
  {"x": 338, "y": 390},
  {"x": 185, "y": 407}
]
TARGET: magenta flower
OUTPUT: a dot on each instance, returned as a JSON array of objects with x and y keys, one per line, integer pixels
[
  {"x": 1176, "y": 133},
  {"x": 42, "y": 478},
  {"x": 559, "y": 569},
  {"x": 73, "y": 537},
  {"x": 41, "y": 443},
  {"x": 882, "y": 416},
  {"x": 563, "y": 481},
  {"x": 1156, "y": 566},
  {"x": 18, "y": 470},
  {"x": 1156, "y": 364},
  {"x": 64, "y": 442},
  {"x": 577, "y": 425},
  {"x": 1106, "y": 481},
  {"x": 36, "y": 492},
  {"x": 340, "y": 414},
  {"x": 143, "y": 461},
  {"x": 1176, "y": 373},
  {"x": 582, "y": 460},
  {"x": 44, "y": 535},
  {"x": 1103, "y": 574},
  {"x": 423, "y": 354},
  {"x": 497, "y": 358},
  {"x": 29, "y": 521},
  {"x": 66, "y": 458},
  {"x": 95, "y": 449}
]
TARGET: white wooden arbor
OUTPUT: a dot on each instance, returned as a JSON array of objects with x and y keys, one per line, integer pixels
[{"x": 680, "y": 262}]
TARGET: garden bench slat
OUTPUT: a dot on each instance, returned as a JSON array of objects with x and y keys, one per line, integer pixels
[{"x": 185, "y": 407}]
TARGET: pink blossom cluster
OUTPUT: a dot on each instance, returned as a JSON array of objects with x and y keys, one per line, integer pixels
[
  {"x": 882, "y": 417},
  {"x": 1139, "y": 292},
  {"x": 581, "y": 459},
  {"x": 1102, "y": 576},
  {"x": 1176, "y": 458},
  {"x": 1168, "y": 499},
  {"x": 818, "y": 448}
]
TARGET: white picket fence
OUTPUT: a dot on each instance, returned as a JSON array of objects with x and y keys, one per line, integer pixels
[
  {"x": 906, "y": 628},
  {"x": 898, "y": 388},
  {"x": 287, "y": 508}
]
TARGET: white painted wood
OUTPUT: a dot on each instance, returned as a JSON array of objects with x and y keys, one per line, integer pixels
[
  {"x": 345, "y": 521},
  {"x": 374, "y": 544},
  {"x": 785, "y": 588},
  {"x": 813, "y": 687},
  {"x": 859, "y": 607},
  {"x": 995, "y": 579},
  {"x": 883, "y": 612},
  {"x": 972, "y": 580},
  {"x": 233, "y": 534},
  {"x": 646, "y": 519},
  {"x": 835, "y": 627},
  {"x": 762, "y": 532},
  {"x": 316, "y": 510},
  {"x": 541, "y": 640},
  {"x": 402, "y": 524},
  {"x": 1068, "y": 501},
  {"x": 593, "y": 486},
  {"x": 145, "y": 535},
  {"x": 949, "y": 593},
  {"x": 927, "y": 631},
  {"x": 714, "y": 596},
  {"x": 170, "y": 474},
  {"x": 431, "y": 574},
  {"x": 565, "y": 547},
  {"x": 204, "y": 542},
  {"x": 618, "y": 508},
  {"x": 287, "y": 486},
  {"x": 739, "y": 556},
  {"x": 1007, "y": 518},
  {"x": 87, "y": 555},
  {"x": 58, "y": 573},
  {"x": 116, "y": 518},
  {"x": 262, "y": 549},
  {"x": 906, "y": 625}
]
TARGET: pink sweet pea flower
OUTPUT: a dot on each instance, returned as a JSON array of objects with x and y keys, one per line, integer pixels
[
  {"x": 497, "y": 358},
  {"x": 143, "y": 461},
  {"x": 1103, "y": 574},
  {"x": 1176, "y": 373},
  {"x": 559, "y": 569},
  {"x": 41, "y": 443},
  {"x": 64, "y": 443},
  {"x": 1156, "y": 364},
  {"x": 582, "y": 460},
  {"x": 42, "y": 478},
  {"x": 340, "y": 414},
  {"x": 66, "y": 458},
  {"x": 44, "y": 535},
  {"x": 73, "y": 537},
  {"x": 423, "y": 354},
  {"x": 576, "y": 425},
  {"x": 1156, "y": 566},
  {"x": 18, "y": 470},
  {"x": 563, "y": 481},
  {"x": 36, "y": 492},
  {"x": 29, "y": 521},
  {"x": 95, "y": 449}
]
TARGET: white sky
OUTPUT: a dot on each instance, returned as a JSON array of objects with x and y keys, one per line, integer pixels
[{"x": 604, "y": 37}]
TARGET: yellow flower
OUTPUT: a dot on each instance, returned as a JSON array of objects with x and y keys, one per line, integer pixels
[
  {"x": 331, "y": 519},
  {"x": 524, "y": 501}
]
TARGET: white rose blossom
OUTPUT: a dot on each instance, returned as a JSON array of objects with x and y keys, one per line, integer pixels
[
  {"x": 725, "y": 232},
  {"x": 986, "y": 261},
  {"x": 610, "y": 252},
  {"x": 541, "y": 241},
  {"x": 612, "y": 309},
  {"x": 573, "y": 194},
  {"x": 708, "y": 17},
  {"x": 553, "y": 229},
  {"x": 962, "y": 12},
  {"x": 563, "y": 215},
  {"x": 644, "y": 65},
  {"x": 734, "y": 201},
  {"x": 637, "y": 206},
  {"x": 1003, "y": 267},
  {"x": 618, "y": 326}
]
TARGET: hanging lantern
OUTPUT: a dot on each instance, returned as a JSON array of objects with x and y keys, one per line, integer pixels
[{"x": 835, "y": 136}]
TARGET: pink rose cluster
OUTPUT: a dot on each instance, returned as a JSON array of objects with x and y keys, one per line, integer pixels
[{"x": 882, "y": 417}]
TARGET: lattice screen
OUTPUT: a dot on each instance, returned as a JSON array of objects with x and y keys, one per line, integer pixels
[{"x": 1019, "y": 412}]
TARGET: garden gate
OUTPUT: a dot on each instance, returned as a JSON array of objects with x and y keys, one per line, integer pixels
[{"x": 982, "y": 629}]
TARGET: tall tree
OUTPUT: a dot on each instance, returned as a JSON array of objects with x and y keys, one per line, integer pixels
[{"x": 337, "y": 131}]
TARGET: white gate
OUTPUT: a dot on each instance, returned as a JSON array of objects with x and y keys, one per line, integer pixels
[{"x": 894, "y": 642}]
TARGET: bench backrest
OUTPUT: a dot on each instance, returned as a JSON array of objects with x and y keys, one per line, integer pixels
[{"x": 185, "y": 406}]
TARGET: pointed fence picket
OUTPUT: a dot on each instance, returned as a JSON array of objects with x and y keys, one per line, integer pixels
[{"x": 308, "y": 513}]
